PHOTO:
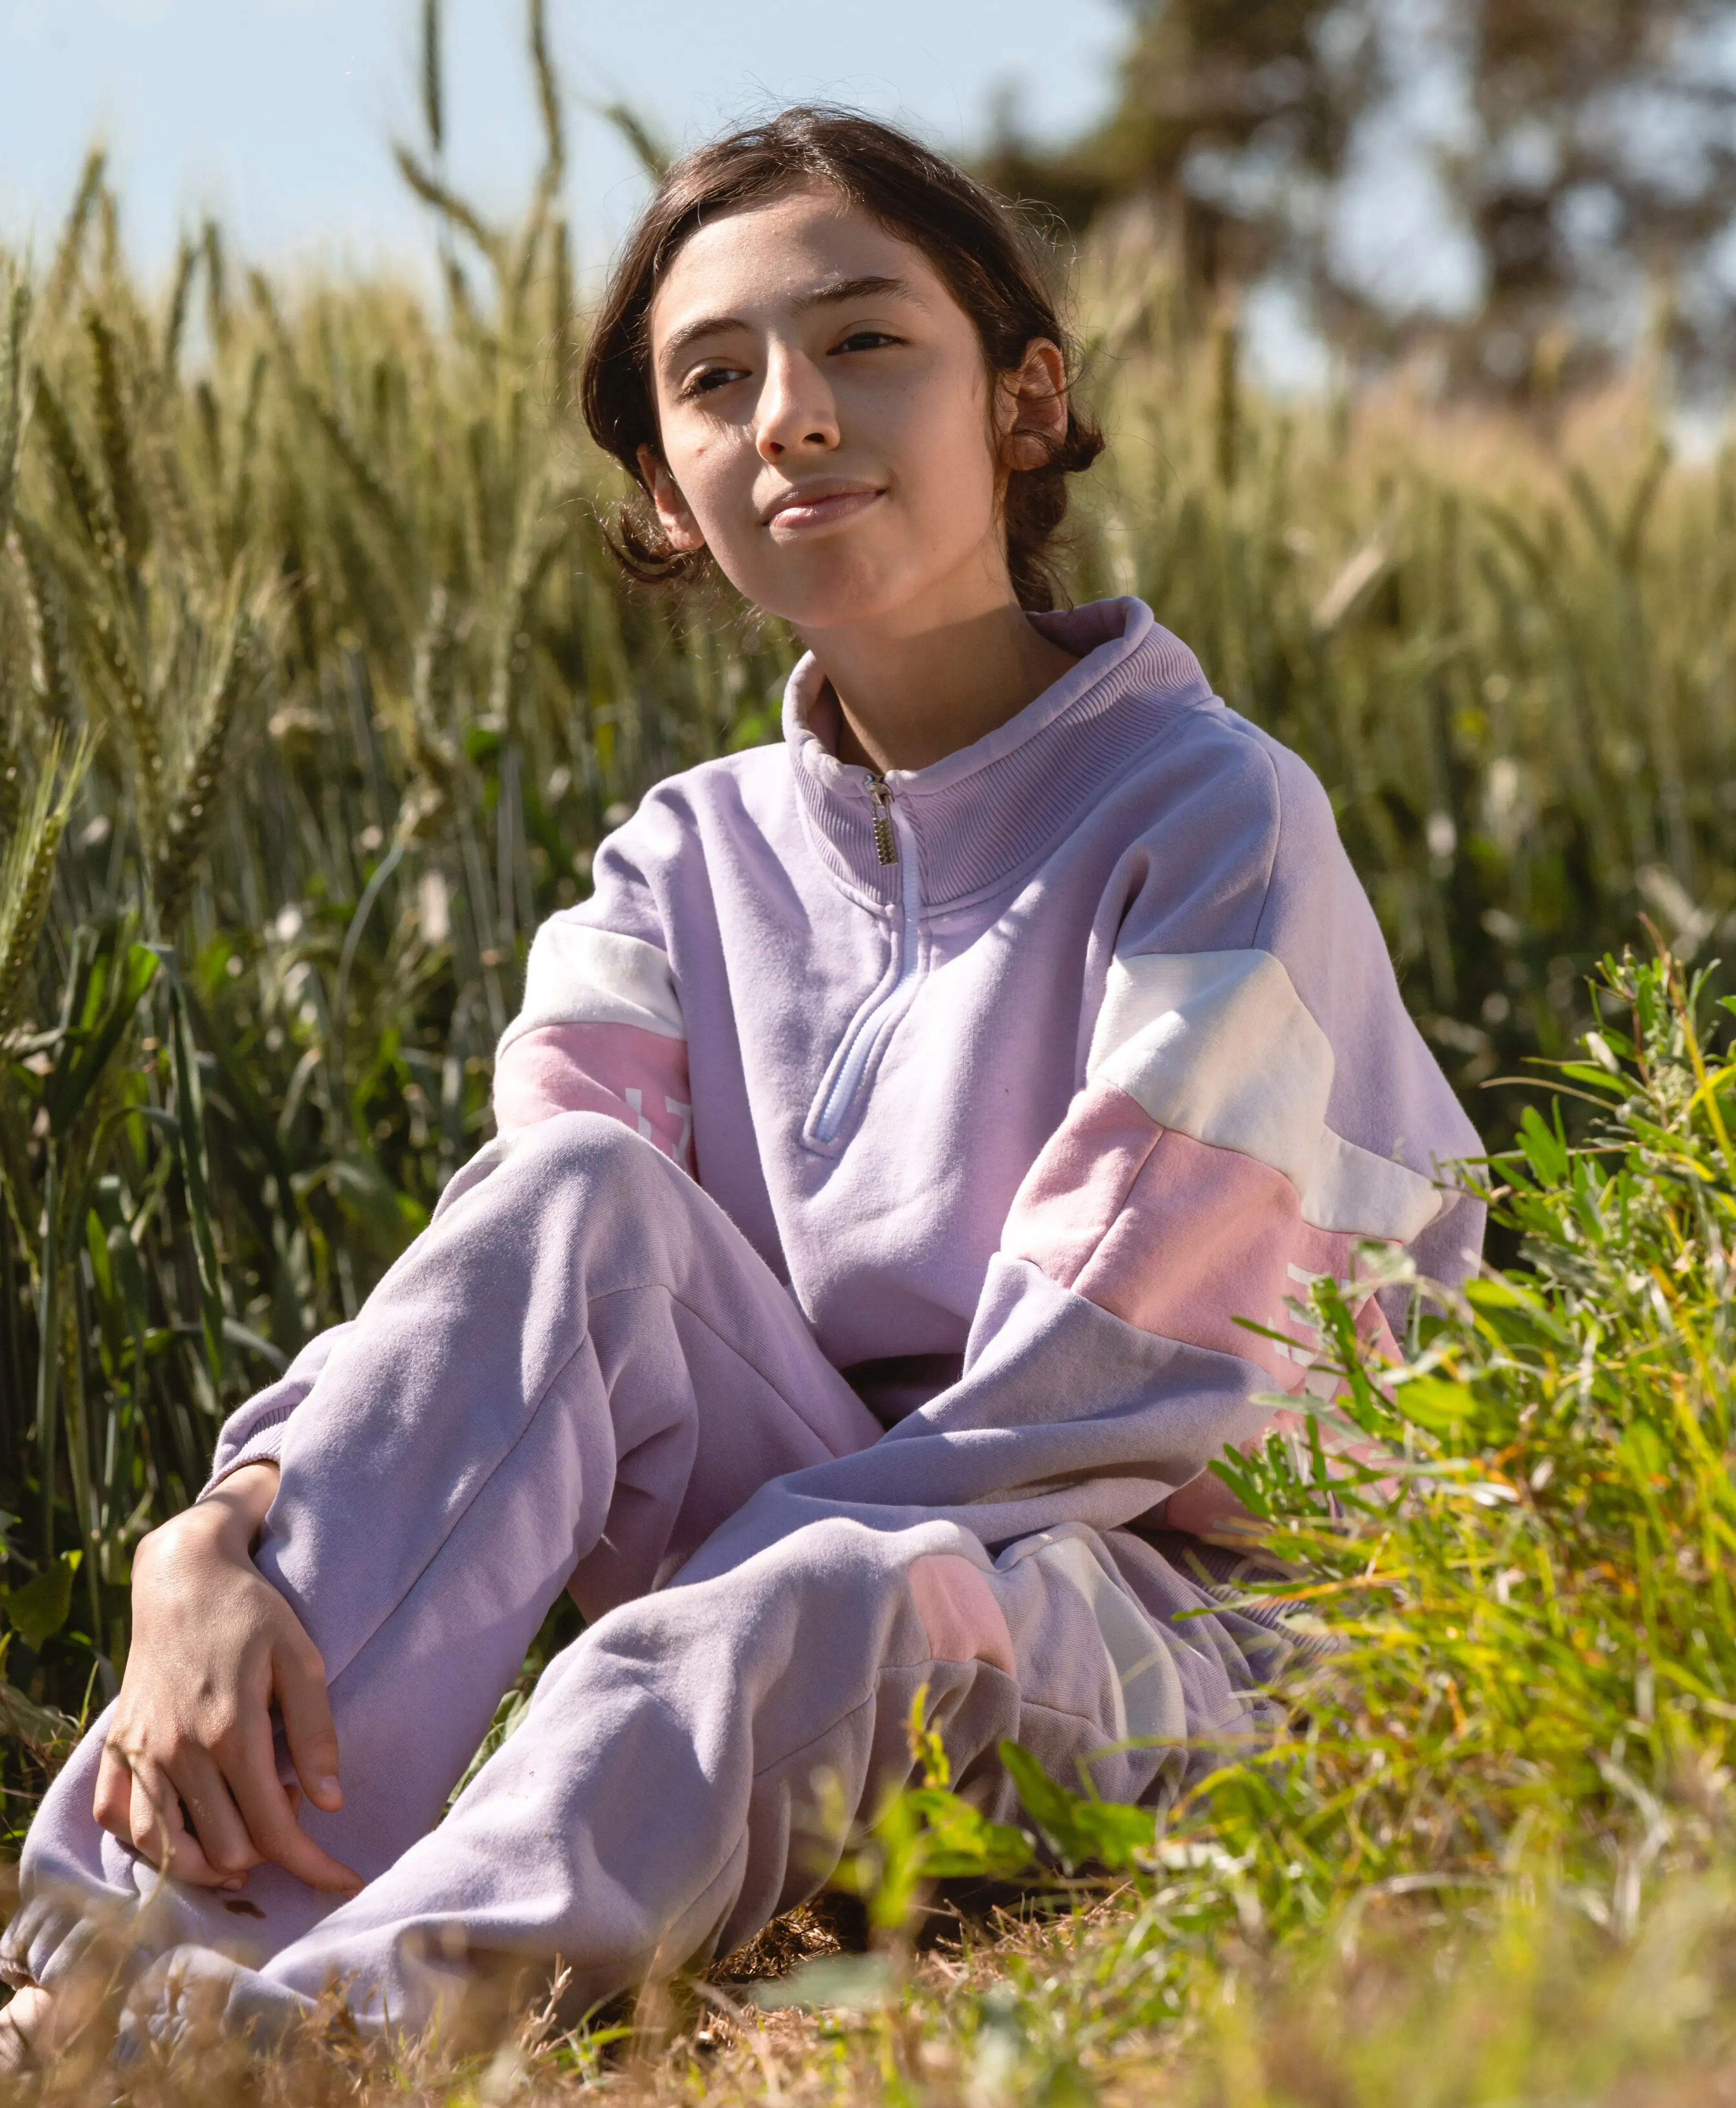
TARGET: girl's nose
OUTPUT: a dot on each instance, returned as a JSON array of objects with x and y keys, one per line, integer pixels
[{"x": 796, "y": 410}]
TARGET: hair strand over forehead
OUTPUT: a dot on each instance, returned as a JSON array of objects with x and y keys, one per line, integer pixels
[{"x": 982, "y": 249}]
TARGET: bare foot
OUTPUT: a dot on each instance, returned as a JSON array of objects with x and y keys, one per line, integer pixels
[{"x": 25, "y": 2028}]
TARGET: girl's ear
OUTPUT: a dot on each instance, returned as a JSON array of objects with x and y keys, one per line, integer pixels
[
  {"x": 677, "y": 522},
  {"x": 1031, "y": 407}
]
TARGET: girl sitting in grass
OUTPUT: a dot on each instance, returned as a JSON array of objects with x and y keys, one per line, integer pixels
[{"x": 889, "y": 1152}]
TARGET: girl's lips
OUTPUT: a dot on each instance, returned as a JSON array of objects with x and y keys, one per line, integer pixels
[{"x": 820, "y": 510}]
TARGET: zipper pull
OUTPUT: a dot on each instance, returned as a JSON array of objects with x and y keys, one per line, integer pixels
[{"x": 886, "y": 841}]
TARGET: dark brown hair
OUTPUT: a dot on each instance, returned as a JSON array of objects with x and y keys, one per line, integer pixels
[{"x": 984, "y": 252}]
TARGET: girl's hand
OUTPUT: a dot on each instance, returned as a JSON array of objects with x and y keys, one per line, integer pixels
[{"x": 188, "y": 1776}]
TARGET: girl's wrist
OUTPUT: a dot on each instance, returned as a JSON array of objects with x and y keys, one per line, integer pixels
[
  {"x": 244, "y": 1497},
  {"x": 227, "y": 1519}
]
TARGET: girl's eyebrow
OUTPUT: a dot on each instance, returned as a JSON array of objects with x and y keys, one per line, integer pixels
[
  {"x": 866, "y": 288},
  {"x": 869, "y": 286}
]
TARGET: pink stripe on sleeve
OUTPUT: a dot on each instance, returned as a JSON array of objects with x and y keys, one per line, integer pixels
[
  {"x": 1182, "y": 1239},
  {"x": 961, "y": 1615},
  {"x": 1205, "y": 1235},
  {"x": 1074, "y": 1192},
  {"x": 638, "y": 1078}
]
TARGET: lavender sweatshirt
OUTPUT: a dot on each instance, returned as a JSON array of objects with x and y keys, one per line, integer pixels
[{"x": 1030, "y": 1073}]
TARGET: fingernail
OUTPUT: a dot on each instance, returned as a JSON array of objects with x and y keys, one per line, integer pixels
[{"x": 232, "y": 1886}]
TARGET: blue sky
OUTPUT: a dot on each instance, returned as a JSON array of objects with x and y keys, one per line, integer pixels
[{"x": 277, "y": 113}]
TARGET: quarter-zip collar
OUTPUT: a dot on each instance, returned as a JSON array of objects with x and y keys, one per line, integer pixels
[{"x": 984, "y": 814}]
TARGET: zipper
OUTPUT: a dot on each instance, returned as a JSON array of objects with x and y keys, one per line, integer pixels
[
  {"x": 894, "y": 844},
  {"x": 886, "y": 837}
]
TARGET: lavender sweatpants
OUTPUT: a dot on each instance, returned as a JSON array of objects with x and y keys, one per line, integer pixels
[{"x": 575, "y": 1374}]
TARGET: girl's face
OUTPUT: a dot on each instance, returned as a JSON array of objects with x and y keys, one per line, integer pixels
[{"x": 826, "y": 422}]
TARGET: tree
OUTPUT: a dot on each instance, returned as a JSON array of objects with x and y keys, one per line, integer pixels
[
  {"x": 1605, "y": 167},
  {"x": 1235, "y": 115},
  {"x": 1594, "y": 174}
]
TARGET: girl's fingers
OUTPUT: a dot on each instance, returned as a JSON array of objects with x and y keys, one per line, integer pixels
[
  {"x": 149, "y": 1795},
  {"x": 299, "y": 1677},
  {"x": 217, "y": 1823},
  {"x": 270, "y": 1815},
  {"x": 159, "y": 1832},
  {"x": 112, "y": 1804}
]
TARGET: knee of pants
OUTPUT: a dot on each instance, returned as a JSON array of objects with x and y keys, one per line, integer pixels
[
  {"x": 567, "y": 1153},
  {"x": 814, "y": 1618},
  {"x": 595, "y": 1147},
  {"x": 575, "y": 1169}
]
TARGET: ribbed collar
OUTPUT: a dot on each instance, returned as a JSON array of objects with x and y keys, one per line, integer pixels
[{"x": 994, "y": 808}]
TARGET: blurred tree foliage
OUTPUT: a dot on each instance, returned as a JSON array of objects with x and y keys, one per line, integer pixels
[
  {"x": 1236, "y": 115},
  {"x": 1607, "y": 159},
  {"x": 1588, "y": 158}
]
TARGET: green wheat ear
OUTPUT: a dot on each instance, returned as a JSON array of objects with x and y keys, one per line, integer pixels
[
  {"x": 45, "y": 619},
  {"x": 14, "y": 400},
  {"x": 126, "y": 507},
  {"x": 239, "y": 671},
  {"x": 27, "y": 869}
]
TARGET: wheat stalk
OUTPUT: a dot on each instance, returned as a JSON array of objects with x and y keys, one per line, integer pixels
[
  {"x": 27, "y": 869},
  {"x": 186, "y": 263},
  {"x": 90, "y": 506},
  {"x": 69, "y": 262},
  {"x": 14, "y": 400},
  {"x": 235, "y": 680},
  {"x": 535, "y": 545},
  {"x": 114, "y": 433},
  {"x": 50, "y": 673},
  {"x": 105, "y": 634}
]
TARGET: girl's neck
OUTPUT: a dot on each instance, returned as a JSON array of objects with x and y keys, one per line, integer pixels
[{"x": 911, "y": 694}]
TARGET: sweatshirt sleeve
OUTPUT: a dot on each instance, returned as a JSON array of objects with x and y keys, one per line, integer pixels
[
  {"x": 253, "y": 1433},
  {"x": 1198, "y": 1179},
  {"x": 1249, "y": 1116},
  {"x": 601, "y": 1030},
  {"x": 1253, "y": 1103}
]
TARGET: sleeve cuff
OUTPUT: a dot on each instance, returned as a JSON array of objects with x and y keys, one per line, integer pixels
[{"x": 264, "y": 1446}]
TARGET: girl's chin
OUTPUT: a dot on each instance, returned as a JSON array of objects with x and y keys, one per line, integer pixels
[
  {"x": 830, "y": 595},
  {"x": 838, "y": 588}
]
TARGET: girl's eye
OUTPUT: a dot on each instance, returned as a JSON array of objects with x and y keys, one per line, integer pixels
[
  {"x": 867, "y": 339},
  {"x": 710, "y": 380}
]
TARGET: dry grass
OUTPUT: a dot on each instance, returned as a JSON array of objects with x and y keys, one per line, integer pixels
[{"x": 1521, "y": 2001}]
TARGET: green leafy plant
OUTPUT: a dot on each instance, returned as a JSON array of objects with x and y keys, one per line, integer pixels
[{"x": 1526, "y": 1714}]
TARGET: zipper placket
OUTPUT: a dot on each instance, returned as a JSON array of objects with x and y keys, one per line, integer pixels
[{"x": 894, "y": 844}]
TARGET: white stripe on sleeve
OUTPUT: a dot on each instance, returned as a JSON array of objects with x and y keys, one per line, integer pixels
[
  {"x": 579, "y": 976},
  {"x": 1366, "y": 1196},
  {"x": 1218, "y": 1045}
]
